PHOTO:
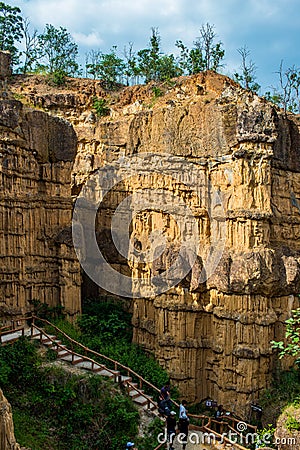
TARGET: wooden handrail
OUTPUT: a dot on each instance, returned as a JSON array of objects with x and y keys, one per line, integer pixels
[
  {"x": 86, "y": 358},
  {"x": 132, "y": 373},
  {"x": 43, "y": 333},
  {"x": 107, "y": 358}
]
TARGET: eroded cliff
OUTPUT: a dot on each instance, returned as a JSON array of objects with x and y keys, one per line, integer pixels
[
  {"x": 37, "y": 261},
  {"x": 7, "y": 436},
  {"x": 212, "y": 334}
]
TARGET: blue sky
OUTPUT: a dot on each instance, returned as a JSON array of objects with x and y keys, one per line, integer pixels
[{"x": 269, "y": 28}]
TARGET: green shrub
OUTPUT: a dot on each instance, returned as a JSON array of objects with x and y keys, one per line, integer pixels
[
  {"x": 57, "y": 410},
  {"x": 150, "y": 441},
  {"x": 101, "y": 106},
  {"x": 57, "y": 78},
  {"x": 292, "y": 424}
]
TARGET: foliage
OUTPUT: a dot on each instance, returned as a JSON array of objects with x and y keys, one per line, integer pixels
[
  {"x": 287, "y": 96},
  {"x": 106, "y": 328},
  {"x": 247, "y": 76},
  {"x": 106, "y": 66},
  {"x": 265, "y": 437},
  {"x": 205, "y": 55},
  {"x": 11, "y": 30},
  {"x": 58, "y": 52},
  {"x": 292, "y": 335},
  {"x": 131, "y": 70},
  {"x": 44, "y": 311},
  {"x": 100, "y": 105},
  {"x": 212, "y": 52},
  {"x": 149, "y": 441},
  {"x": 292, "y": 423},
  {"x": 55, "y": 409},
  {"x": 31, "y": 48},
  {"x": 285, "y": 389},
  {"x": 153, "y": 65}
]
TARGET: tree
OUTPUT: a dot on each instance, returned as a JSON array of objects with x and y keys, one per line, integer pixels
[
  {"x": 107, "y": 66},
  {"x": 148, "y": 58},
  {"x": 247, "y": 76},
  {"x": 168, "y": 68},
  {"x": 153, "y": 65},
  {"x": 58, "y": 51},
  {"x": 131, "y": 70},
  {"x": 205, "y": 55},
  {"x": 292, "y": 334},
  {"x": 212, "y": 53},
  {"x": 287, "y": 95},
  {"x": 91, "y": 61},
  {"x": 11, "y": 30},
  {"x": 31, "y": 47}
]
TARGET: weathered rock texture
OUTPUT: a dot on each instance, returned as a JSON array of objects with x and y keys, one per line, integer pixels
[
  {"x": 7, "y": 436},
  {"x": 287, "y": 434},
  {"x": 37, "y": 261},
  {"x": 212, "y": 336}
]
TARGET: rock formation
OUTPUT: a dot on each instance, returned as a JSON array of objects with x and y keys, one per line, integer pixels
[
  {"x": 287, "y": 434},
  {"x": 211, "y": 334},
  {"x": 36, "y": 157},
  {"x": 7, "y": 436}
]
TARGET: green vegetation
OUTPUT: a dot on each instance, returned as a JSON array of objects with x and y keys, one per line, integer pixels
[
  {"x": 247, "y": 77},
  {"x": 285, "y": 389},
  {"x": 81, "y": 411},
  {"x": 100, "y": 105},
  {"x": 54, "y": 54},
  {"x": 265, "y": 437},
  {"x": 56, "y": 409},
  {"x": 292, "y": 423},
  {"x": 149, "y": 441},
  {"x": 105, "y": 328},
  {"x": 11, "y": 30},
  {"x": 108, "y": 67},
  {"x": 292, "y": 335}
]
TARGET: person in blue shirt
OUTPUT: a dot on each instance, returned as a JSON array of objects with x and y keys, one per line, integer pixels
[{"x": 183, "y": 423}]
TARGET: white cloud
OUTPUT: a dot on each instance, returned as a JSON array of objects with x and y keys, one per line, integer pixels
[
  {"x": 92, "y": 39},
  {"x": 269, "y": 28}
]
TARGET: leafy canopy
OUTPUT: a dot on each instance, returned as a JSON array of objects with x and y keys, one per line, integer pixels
[
  {"x": 292, "y": 345},
  {"x": 58, "y": 51},
  {"x": 11, "y": 30}
]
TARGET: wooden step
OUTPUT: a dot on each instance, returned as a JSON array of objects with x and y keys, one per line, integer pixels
[
  {"x": 62, "y": 353},
  {"x": 107, "y": 373},
  {"x": 73, "y": 359},
  {"x": 141, "y": 400},
  {"x": 134, "y": 394},
  {"x": 125, "y": 379}
]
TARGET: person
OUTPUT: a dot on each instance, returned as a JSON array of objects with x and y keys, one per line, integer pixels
[
  {"x": 171, "y": 428},
  {"x": 219, "y": 413},
  {"x": 183, "y": 423},
  {"x": 165, "y": 392},
  {"x": 218, "y": 416},
  {"x": 164, "y": 402}
]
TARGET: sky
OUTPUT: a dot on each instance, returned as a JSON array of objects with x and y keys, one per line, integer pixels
[{"x": 270, "y": 29}]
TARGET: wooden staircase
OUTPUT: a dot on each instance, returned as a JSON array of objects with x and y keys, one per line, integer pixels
[
  {"x": 84, "y": 362},
  {"x": 121, "y": 374}
]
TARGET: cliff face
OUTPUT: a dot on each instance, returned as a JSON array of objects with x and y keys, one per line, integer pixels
[
  {"x": 7, "y": 436},
  {"x": 36, "y": 158},
  {"x": 211, "y": 333}
]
